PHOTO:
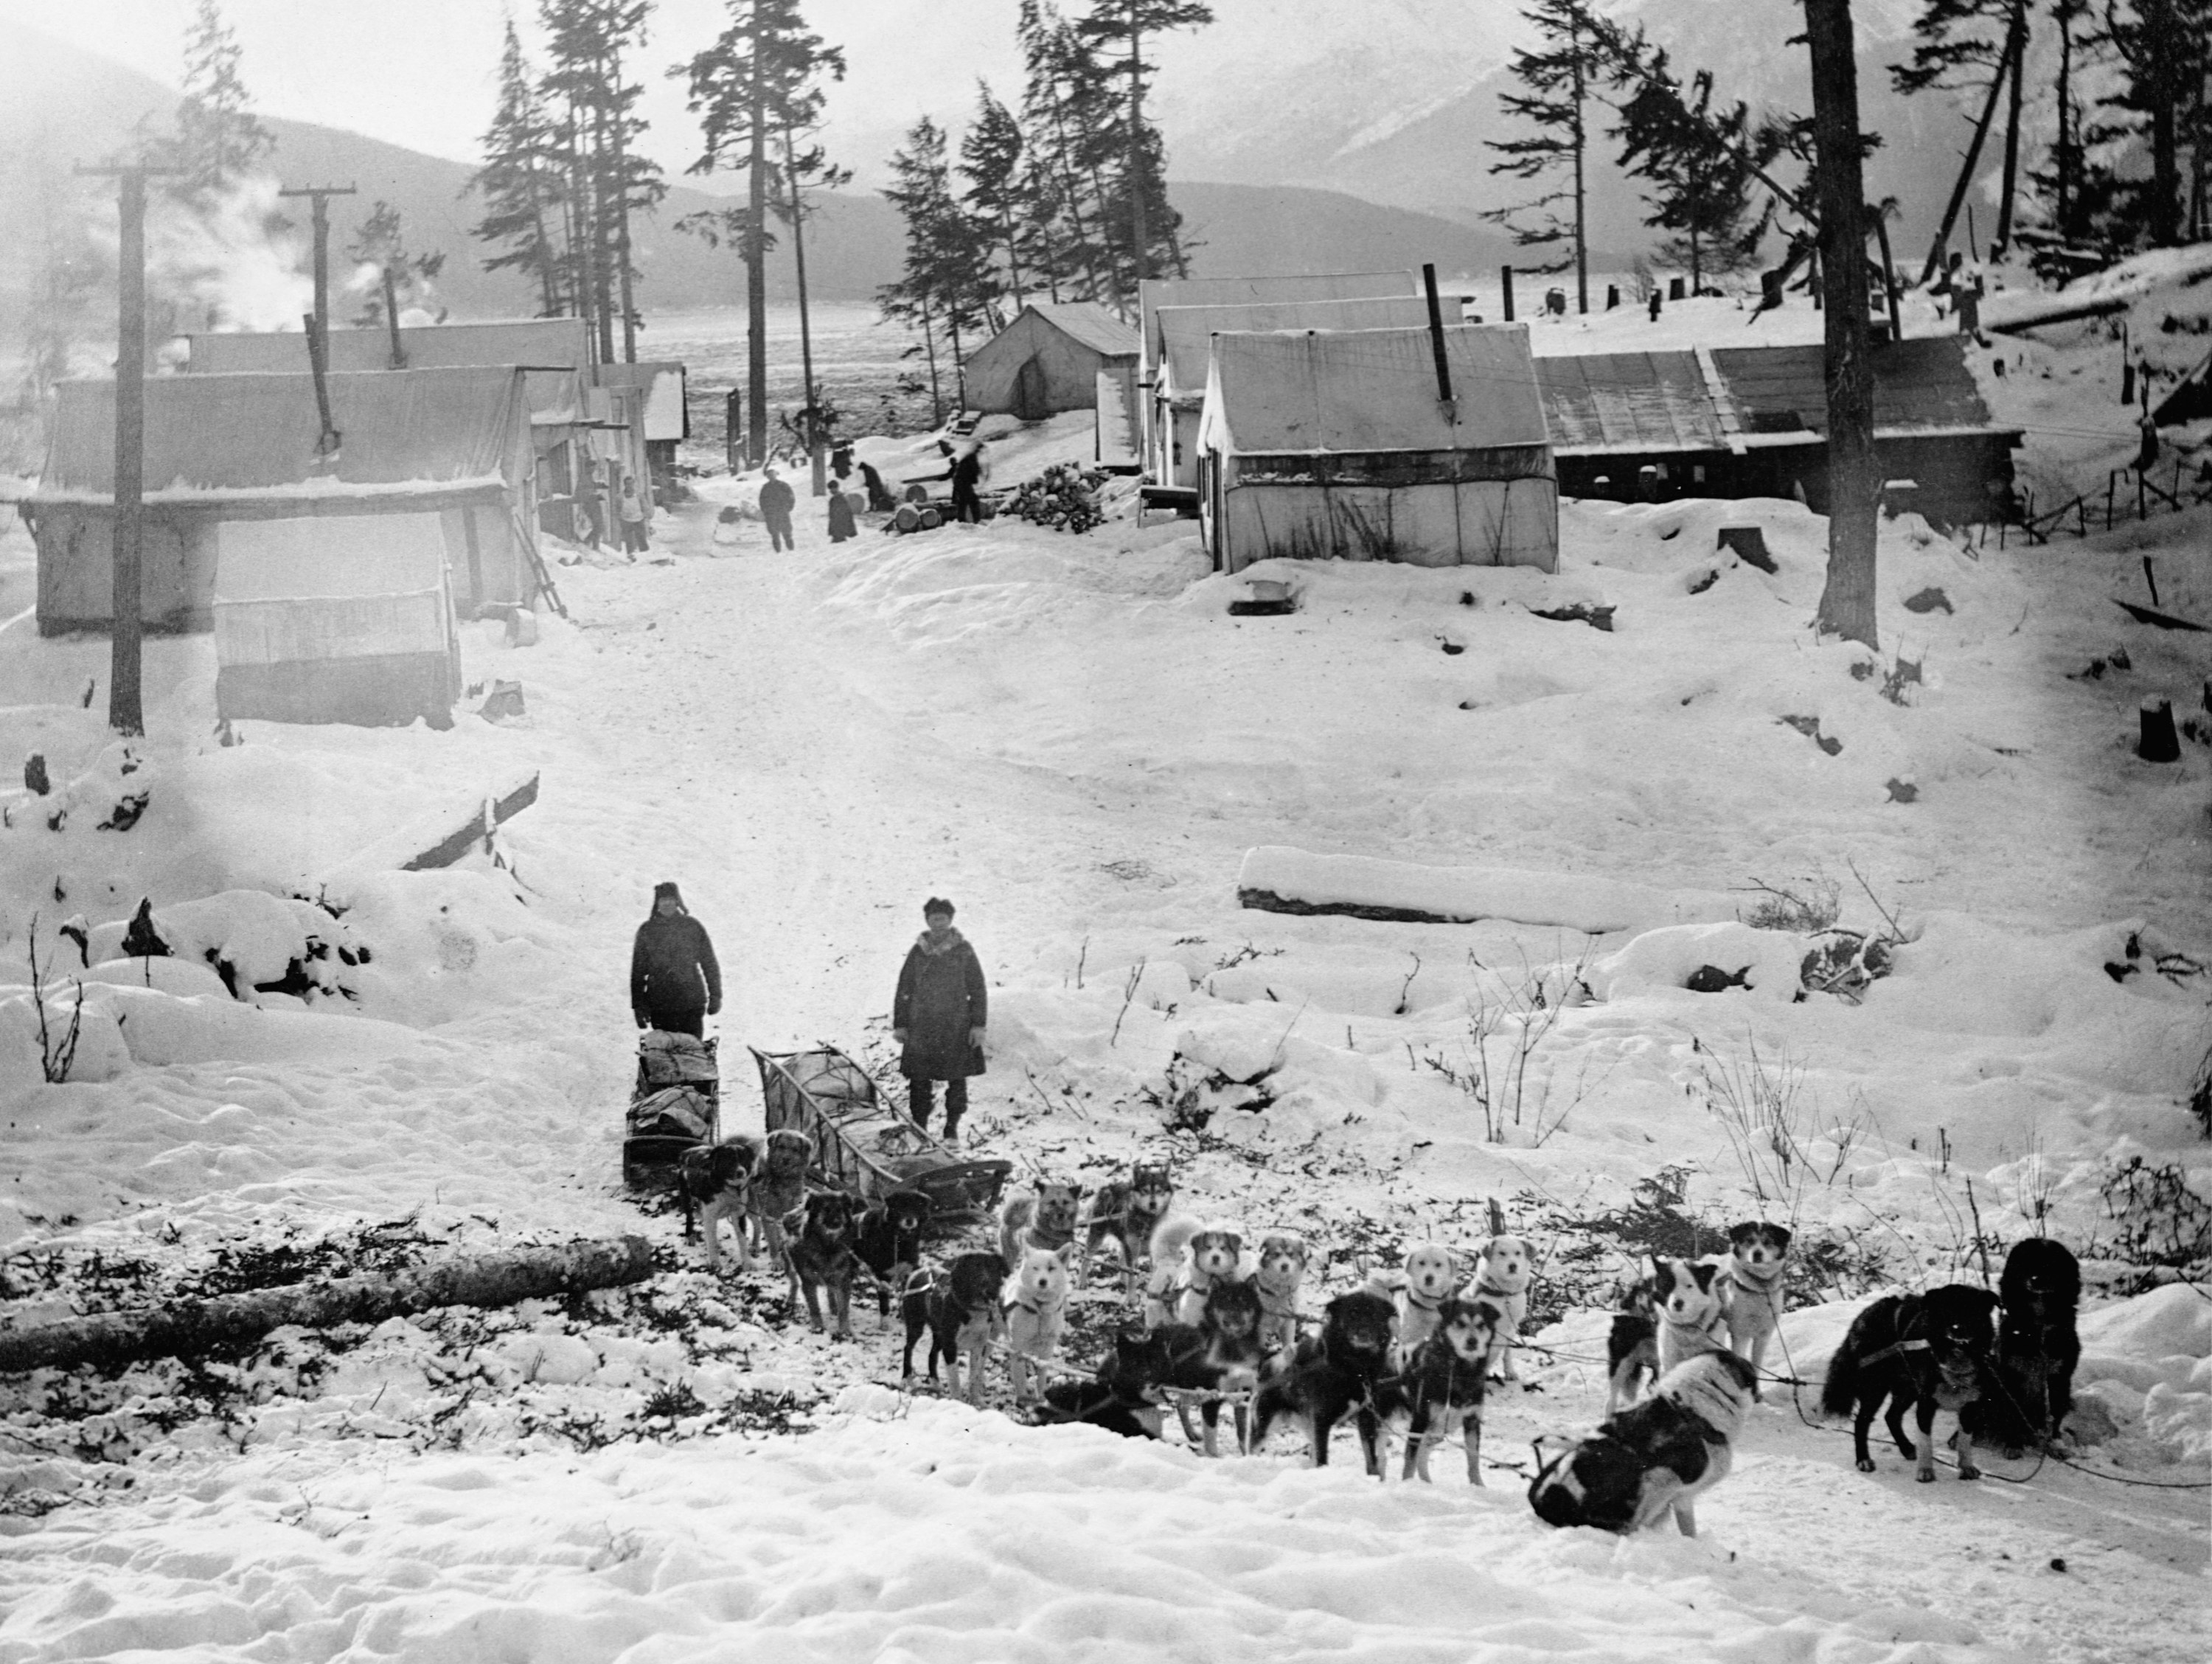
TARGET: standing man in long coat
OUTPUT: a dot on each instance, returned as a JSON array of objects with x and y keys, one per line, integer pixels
[
  {"x": 938, "y": 1018},
  {"x": 675, "y": 984}
]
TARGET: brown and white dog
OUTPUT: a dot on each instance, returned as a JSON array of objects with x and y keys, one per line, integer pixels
[
  {"x": 1281, "y": 1273},
  {"x": 1046, "y": 1218},
  {"x": 819, "y": 1235},
  {"x": 715, "y": 1179},
  {"x": 1429, "y": 1274},
  {"x": 959, "y": 1311},
  {"x": 1033, "y": 1303},
  {"x": 1692, "y": 1304},
  {"x": 1189, "y": 1258},
  {"x": 778, "y": 1190},
  {"x": 1631, "y": 1346},
  {"x": 1443, "y": 1380},
  {"x": 1758, "y": 1259},
  {"x": 1503, "y": 1275},
  {"x": 1127, "y": 1210}
]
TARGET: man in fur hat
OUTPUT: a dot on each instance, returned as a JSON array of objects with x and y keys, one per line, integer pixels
[
  {"x": 937, "y": 1016},
  {"x": 674, "y": 983}
]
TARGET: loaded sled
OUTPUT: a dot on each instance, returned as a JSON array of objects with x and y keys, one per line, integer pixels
[
  {"x": 864, "y": 1146},
  {"x": 676, "y": 1106}
]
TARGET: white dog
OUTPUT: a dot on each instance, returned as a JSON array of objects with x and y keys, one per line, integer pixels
[
  {"x": 1503, "y": 1275},
  {"x": 1034, "y": 1303}
]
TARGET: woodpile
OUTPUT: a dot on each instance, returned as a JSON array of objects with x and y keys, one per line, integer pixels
[{"x": 1064, "y": 496}]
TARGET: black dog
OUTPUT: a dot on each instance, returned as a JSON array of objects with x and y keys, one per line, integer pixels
[
  {"x": 1631, "y": 1345},
  {"x": 820, "y": 1237},
  {"x": 2037, "y": 1346},
  {"x": 960, "y": 1312},
  {"x": 1334, "y": 1373},
  {"x": 1120, "y": 1398},
  {"x": 1220, "y": 1353},
  {"x": 889, "y": 1241},
  {"x": 1443, "y": 1383},
  {"x": 1928, "y": 1351}
]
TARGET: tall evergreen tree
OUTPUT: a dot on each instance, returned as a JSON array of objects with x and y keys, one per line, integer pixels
[
  {"x": 1702, "y": 167},
  {"x": 1066, "y": 104},
  {"x": 218, "y": 139},
  {"x": 587, "y": 44},
  {"x": 761, "y": 80},
  {"x": 991, "y": 161},
  {"x": 2163, "y": 52},
  {"x": 1558, "y": 78},
  {"x": 521, "y": 183},
  {"x": 945, "y": 284},
  {"x": 1116, "y": 30},
  {"x": 1974, "y": 44}
]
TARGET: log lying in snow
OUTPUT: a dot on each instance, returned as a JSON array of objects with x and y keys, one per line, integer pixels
[
  {"x": 233, "y": 1320},
  {"x": 1277, "y": 879},
  {"x": 442, "y": 838}
]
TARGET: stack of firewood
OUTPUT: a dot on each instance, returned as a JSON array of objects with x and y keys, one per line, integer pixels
[{"x": 1064, "y": 496}]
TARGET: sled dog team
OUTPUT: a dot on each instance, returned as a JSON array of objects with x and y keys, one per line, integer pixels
[{"x": 1417, "y": 1343}]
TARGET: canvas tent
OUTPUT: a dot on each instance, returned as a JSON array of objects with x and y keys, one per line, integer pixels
[
  {"x": 1048, "y": 360},
  {"x": 1185, "y": 336},
  {"x": 1154, "y": 292},
  {"x": 1336, "y": 445},
  {"x": 451, "y": 445}
]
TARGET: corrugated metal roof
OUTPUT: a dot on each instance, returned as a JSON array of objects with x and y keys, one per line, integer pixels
[
  {"x": 1918, "y": 384},
  {"x": 1629, "y": 401},
  {"x": 1183, "y": 331},
  {"x": 1304, "y": 392},
  {"x": 1090, "y": 324},
  {"x": 235, "y": 435}
]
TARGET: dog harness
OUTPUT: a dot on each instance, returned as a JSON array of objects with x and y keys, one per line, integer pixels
[
  {"x": 1766, "y": 1288},
  {"x": 1486, "y": 1284}
]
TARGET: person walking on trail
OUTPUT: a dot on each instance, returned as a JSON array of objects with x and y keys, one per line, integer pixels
[
  {"x": 842, "y": 526},
  {"x": 675, "y": 984},
  {"x": 968, "y": 470},
  {"x": 633, "y": 517},
  {"x": 777, "y": 500},
  {"x": 938, "y": 1018}
]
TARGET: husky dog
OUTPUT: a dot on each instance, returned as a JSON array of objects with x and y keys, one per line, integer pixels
[
  {"x": 889, "y": 1241},
  {"x": 1443, "y": 1382},
  {"x": 1034, "y": 1303},
  {"x": 1127, "y": 1209},
  {"x": 1281, "y": 1272},
  {"x": 713, "y": 1179},
  {"x": 1692, "y": 1307},
  {"x": 1431, "y": 1273},
  {"x": 1631, "y": 1349},
  {"x": 1046, "y": 1219},
  {"x": 1220, "y": 1353},
  {"x": 1333, "y": 1373},
  {"x": 2037, "y": 1348},
  {"x": 1653, "y": 1457},
  {"x": 1189, "y": 1258},
  {"x": 819, "y": 1233},
  {"x": 779, "y": 1188},
  {"x": 1759, "y": 1257},
  {"x": 1927, "y": 1351},
  {"x": 959, "y": 1309},
  {"x": 1503, "y": 1274}
]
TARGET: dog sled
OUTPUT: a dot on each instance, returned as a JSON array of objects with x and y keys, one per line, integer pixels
[
  {"x": 676, "y": 1106},
  {"x": 861, "y": 1143}
]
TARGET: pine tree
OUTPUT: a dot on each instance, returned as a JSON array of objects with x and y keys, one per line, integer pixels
[
  {"x": 1064, "y": 106},
  {"x": 218, "y": 140},
  {"x": 991, "y": 161},
  {"x": 947, "y": 281},
  {"x": 586, "y": 41},
  {"x": 760, "y": 80},
  {"x": 521, "y": 183},
  {"x": 1558, "y": 79},
  {"x": 1702, "y": 167},
  {"x": 403, "y": 277},
  {"x": 2164, "y": 53},
  {"x": 1116, "y": 29},
  {"x": 1980, "y": 45}
]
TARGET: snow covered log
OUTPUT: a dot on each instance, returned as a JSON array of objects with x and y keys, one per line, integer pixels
[
  {"x": 1277, "y": 879},
  {"x": 185, "y": 1328},
  {"x": 442, "y": 838}
]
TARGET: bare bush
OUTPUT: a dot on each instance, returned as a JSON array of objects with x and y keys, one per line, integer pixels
[
  {"x": 1804, "y": 907},
  {"x": 56, "y": 1051},
  {"x": 1510, "y": 1018},
  {"x": 1770, "y": 1121}
]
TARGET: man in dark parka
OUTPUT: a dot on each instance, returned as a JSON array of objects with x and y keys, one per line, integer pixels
[
  {"x": 777, "y": 500},
  {"x": 675, "y": 984},
  {"x": 938, "y": 1018}
]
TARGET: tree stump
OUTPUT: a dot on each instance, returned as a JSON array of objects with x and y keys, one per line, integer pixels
[
  {"x": 2158, "y": 742},
  {"x": 1748, "y": 544}
]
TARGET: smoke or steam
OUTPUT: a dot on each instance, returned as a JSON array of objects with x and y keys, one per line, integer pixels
[{"x": 235, "y": 265}]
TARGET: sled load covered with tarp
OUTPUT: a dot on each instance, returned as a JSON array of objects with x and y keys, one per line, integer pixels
[
  {"x": 675, "y": 1107},
  {"x": 864, "y": 1146}
]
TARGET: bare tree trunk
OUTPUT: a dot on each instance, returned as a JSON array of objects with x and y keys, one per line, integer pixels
[
  {"x": 622, "y": 232},
  {"x": 1847, "y": 601},
  {"x": 2016, "y": 50},
  {"x": 818, "y": 461},
  {"x": 1137, "y": 230},
  {"x": 756, "y": 275},
  {"x": 1965, "y": 174},
  {"x": 929, "y": 344},
  {"x": 1582, "y": 240},
  {"x": 186, "y": 1327}
]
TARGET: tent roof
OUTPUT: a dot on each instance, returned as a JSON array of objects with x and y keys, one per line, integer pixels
[
  {"x": 1921, "y": 385},
  {"x": 542, "y": 341},
  {"x": 1090, "y": 324},
  {"x": 1630, "y": 401},
  {"x": 1299, "y": 392},
  {"x": 240, "y": 437},
  {"x": 1153, "y": 293},
  {"x": 1184, "y": 333}
]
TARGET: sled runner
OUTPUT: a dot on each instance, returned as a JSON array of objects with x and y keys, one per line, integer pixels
[
  {"x": 861, "y": 1143},
  {"x": 675, "y": 1107}
]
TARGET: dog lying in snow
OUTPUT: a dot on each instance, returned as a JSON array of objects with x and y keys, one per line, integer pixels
[
  {"x": 1654, "y": 1458},
  {"x": 1759, "y": 1260}
]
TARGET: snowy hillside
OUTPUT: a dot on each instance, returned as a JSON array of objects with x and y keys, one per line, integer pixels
[{"x": 1074, "y": 738}]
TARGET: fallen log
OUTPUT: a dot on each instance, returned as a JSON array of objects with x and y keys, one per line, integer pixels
[{"x": 234, "y": 1321}]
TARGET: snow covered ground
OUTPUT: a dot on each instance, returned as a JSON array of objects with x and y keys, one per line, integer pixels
[{"x": 1072, "y": 737}]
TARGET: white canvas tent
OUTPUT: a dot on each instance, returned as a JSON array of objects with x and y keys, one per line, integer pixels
[
  {"x": 1048, "y": 360},
  {"x": 1155, "y": 293},
  {"x": 1185, "y": 336},
  {"x": 1337, "y": 444}
]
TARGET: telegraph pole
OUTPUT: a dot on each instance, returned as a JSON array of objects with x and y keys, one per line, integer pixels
[
  {"x": 322, "y": 195},
  {"x": 126, "y": 711}
]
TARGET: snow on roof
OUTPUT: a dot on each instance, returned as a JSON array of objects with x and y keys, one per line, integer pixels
[
  {"x": 1299, "y": 392},
  {"x": 1919, "y": 386},
  {"x": 1629, "y": 401},
  {"x": 1090, "y": 324},
  {"x": 236, "y": 437},
  {"x": 541, "y": 341},
  {"x": 1183, "y": 331},
  {"x": 1157, "y": 292}
]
